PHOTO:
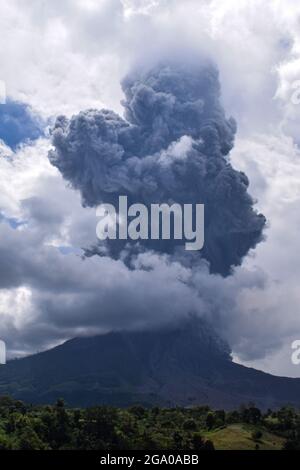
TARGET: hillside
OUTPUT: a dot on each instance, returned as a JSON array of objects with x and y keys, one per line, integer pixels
[
  {"x": 183, "y": 365},
  {"x": 239, "y": 437}
]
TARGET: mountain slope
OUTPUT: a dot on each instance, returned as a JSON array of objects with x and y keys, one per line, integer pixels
[{"x": 184, "y": 365}]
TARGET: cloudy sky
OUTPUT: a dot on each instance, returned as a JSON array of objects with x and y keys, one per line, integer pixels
[{"x": 63, "y": 57}]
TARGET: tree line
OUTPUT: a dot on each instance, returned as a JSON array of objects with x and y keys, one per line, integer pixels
[{"x": 45, "y": 427}]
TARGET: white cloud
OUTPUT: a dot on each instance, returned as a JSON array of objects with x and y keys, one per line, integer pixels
[
  {"x": 270, "y": 316},
  {"x": 62, "y": 56}
]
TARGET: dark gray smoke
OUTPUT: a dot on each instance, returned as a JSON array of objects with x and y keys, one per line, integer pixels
[{"x": 172, "y": 146}]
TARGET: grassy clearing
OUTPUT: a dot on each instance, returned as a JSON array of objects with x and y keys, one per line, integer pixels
[{"x": 239, "y": 437}]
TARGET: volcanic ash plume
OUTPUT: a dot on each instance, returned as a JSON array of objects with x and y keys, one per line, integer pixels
[{"x": 172, "y": 146}]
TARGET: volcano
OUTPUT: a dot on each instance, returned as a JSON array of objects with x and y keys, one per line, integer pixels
[{"x": 185, "y": 365}]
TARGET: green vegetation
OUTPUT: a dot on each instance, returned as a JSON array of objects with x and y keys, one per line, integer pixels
[
  {"x": 105, "y": 428},
  {"x": 242, "y": 437}
]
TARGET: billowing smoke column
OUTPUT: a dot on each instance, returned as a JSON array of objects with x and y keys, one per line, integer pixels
[{"x": 172, "y": 146}]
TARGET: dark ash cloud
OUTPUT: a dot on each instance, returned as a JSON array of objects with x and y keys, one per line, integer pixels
[{"x": 172, "y": 146}]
